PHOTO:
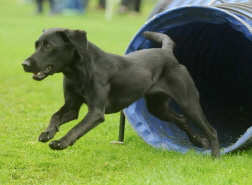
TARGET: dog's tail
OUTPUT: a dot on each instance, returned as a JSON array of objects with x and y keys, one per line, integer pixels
[{"x": 165, "y": 40}]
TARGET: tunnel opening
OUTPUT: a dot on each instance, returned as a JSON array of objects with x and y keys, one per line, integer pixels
[
  {"x": 216, "y": 50},
  {"x": 220, "y": 62}
]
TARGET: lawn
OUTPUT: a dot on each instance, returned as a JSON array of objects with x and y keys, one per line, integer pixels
[{"x": 26, "y": 106}]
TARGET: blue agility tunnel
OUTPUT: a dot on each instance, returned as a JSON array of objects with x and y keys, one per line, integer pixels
[{"x": 215, "y": 44}]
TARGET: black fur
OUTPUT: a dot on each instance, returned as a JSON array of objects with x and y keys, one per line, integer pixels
[{"x": 108, "y": 83}]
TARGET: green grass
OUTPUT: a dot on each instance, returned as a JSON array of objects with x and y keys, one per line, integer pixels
[{"x": 26, "y": 106}]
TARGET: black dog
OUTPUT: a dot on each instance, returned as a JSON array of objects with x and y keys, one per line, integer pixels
[{"x": 108, "y": 83}]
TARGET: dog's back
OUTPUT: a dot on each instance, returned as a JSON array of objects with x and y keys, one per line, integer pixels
[{"x": 165, "y": 40}]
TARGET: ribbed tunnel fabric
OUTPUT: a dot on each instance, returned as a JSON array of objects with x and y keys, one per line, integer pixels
[{"x": 215, "y": 44}]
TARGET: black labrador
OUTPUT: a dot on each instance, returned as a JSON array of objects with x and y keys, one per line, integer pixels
[{"x": 108, "y": 83}]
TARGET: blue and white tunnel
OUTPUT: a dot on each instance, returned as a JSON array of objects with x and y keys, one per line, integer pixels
[{"x": 215, "y": 44}]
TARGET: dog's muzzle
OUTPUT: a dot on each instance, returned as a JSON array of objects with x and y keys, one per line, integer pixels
[{"x": 29, "y": 65}]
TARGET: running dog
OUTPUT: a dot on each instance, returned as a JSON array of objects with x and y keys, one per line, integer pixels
[{"x": 108, "y": 83}]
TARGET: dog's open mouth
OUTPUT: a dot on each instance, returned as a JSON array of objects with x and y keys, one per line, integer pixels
[{"x": 43, "y": 74}]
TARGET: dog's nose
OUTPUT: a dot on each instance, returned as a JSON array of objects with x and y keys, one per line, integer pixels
[{"x": 26, "y": 64}]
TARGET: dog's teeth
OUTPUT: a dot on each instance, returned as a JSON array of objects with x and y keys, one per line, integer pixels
[{"x": 48, "y": 68}]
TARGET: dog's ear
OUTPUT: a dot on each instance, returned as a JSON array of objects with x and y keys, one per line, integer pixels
[
  {"x": 77, "y": 37},
  {"x": 63, "y": 36}
]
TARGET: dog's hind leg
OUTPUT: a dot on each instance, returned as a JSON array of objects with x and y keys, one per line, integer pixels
[
  {"x": 179, "y": 85},
  {"x": 69, "y": 111},
  {"x": 195, "y": 114},
  {"x": 184, "y": 92},
  {"x": 158, "y": 106}
]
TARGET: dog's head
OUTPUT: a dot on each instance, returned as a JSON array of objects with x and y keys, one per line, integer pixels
[{"x": 55, "y": 50}]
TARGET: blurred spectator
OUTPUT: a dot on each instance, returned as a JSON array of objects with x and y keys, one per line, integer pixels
[
  {"x": 127, "y": 5},
  {"x": 101, "y": 4},
  {"x": 85, "y": 3},
  {"x": 67, "y": 7},
  {"x": 40, "y": 6},
  {"x": 74, "y": 7}
]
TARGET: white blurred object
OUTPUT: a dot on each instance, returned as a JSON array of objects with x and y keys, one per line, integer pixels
[{"x": 110, "y": 8}]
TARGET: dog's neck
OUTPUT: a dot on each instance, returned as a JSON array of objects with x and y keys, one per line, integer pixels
[
  {"x": 78, "y": 70},
  {"x": 70, "y": 74},
  {"x": 85, "y": 63},
  {"x": 95, "y": 52}
]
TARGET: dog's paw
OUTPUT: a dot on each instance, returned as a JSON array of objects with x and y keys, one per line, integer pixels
[
  {"x": 205, "y": 144},
  {"x": 200, "y": 142},
  {"x": 58, "y": 145},
  {"x": 45, "y": 136}
]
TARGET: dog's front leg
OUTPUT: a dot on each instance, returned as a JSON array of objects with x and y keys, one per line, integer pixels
[
  {"x": 64, "y": 115},
  {"x": 91, "y": 120},
  {"x": 69, "y": 111}
]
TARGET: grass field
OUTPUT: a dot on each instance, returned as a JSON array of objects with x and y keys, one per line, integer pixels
[{"x": 26, "y": 106}]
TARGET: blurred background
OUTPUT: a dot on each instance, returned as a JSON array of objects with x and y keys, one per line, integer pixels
[
  {"x": 26, "y": 106},
  {"x": 22, "y": 22}
]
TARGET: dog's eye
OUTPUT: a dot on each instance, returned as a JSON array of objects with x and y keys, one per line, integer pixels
[{"x": 48, "y": 46}]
